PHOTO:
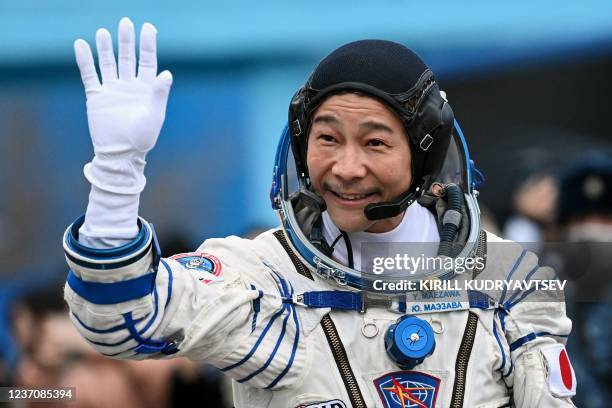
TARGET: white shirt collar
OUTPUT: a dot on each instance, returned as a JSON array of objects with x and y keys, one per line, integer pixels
[{"x": 418, "y": 226}]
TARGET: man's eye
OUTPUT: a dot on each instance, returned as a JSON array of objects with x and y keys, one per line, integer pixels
[
  {"x": 327, "y": 138},
  {"x": 376, "y": 142}
]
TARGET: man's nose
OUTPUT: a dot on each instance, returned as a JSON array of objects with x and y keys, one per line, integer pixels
[{"x": 349, "y": 165}]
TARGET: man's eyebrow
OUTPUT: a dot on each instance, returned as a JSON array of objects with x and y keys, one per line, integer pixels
[
  {"x": 369, "y": 125},
  {"x": 328, "y": 119},
  {"x": 372, "y": 125}
]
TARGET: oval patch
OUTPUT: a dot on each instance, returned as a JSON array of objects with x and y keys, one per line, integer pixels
[
  {"x": 206, "y": 267},
  {"x": 566, "y": 370},
  {"x": 561, "y": 377}
]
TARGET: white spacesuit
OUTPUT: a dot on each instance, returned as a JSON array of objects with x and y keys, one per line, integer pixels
[{"x": 291, "y": 324}]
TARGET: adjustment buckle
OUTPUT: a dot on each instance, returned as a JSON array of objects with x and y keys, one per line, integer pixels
[
  {"x": 298, "y": 299},
  {"x": 328, "y": 272},
  {"x": 296, "y": 129},
  {"x": 426, "y": 142}
]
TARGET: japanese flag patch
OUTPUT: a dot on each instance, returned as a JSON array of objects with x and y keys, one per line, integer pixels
[
  {"x": 205, "y": 267},
  {"x": 561, "y": 377}
]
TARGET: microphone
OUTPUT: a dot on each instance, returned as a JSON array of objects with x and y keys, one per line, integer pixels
[{"x": 389, "y": 209}]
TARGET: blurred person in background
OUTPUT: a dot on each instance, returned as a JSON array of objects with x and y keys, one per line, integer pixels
[
  {"x": 52, "y": 351},
  {"x": 53, "y": 354},
  {"x": 534, "y": 206},
  {"x": 585, "y": 224},
  {"x": 46, "y": 344}
]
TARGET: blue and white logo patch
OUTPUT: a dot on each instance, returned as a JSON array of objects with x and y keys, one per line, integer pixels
[
  {"x": 407, "y": 389},
  {"x": 206, "y": 267}
]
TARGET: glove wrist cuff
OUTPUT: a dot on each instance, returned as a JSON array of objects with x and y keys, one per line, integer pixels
[{"x": 119, "y": 176}]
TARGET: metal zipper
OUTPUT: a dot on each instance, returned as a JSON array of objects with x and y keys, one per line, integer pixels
[
  {"x": 463, "y": 358},
  {"x": 299, "y": 266},
  {"x": 481, "y": 252},
  {"x": 331, "y": 333},
  {"x": 342, "y": 361},
  {"x": 482, "y": 244}
]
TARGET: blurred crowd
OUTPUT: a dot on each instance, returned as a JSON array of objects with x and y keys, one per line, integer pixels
[
  {"x": 565, "y": 215},
  {"x": 54, "y": 355}
]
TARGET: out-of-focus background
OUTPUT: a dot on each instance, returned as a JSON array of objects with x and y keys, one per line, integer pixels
[{"x": 528, "y": 81}]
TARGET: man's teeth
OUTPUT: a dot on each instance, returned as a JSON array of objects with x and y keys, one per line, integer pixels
[{"x": 351, "y": 196}]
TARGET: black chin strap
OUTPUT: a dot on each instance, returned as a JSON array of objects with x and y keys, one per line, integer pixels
[{"x": 349, "y": 249}]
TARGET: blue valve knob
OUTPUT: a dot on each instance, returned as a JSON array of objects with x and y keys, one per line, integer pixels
[{"x": 409, "y": 341}]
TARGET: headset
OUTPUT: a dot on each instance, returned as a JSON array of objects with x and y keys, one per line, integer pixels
[{"x": 427, "y": 118}]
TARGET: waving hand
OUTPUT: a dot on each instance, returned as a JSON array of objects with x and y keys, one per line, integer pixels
[{"x": 125, "y": 110}]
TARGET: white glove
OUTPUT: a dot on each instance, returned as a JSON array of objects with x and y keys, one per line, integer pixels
[
  {"x": 125, "y": 112},
  {"x": 125, "y": 115}
]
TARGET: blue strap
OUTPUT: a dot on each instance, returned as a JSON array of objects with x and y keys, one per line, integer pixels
[
  {"x": 109, "y": 265},
  {"x": 503, "y": 313},
  {"x": 156, "y": 251},
  {"x": 514, "y": 268},
  {"x": 147, "y": 346},
  {"x": 478, "y": 300},
  {"x": 257, "y": 343},
  {"x": 346, "y": 300},
  {"x": 285, "y": 292},
  {"x": 511, "y": 301},
  {"x": 109, "y": 253},
  {"x": 281, "y": 283},
  {"x": 296, "y": 340},
  {"x": 532, "y": 336},
  {"x": 523, "y": 340},
  {"x": 102, "y": 331},
  {"x": 110, "y": 293},
  {"x": 164, "y": 348},
  {"x": 501, "y": 348},
  {"x": 273, "y": 353},
  {"x": 170, "y": 279},
  {"x": 256, "y": 307},
  {"x": 334, "y": 299},
  {"x": 127, "y": 324}
]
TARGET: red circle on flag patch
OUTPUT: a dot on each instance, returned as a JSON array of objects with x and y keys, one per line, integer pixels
[{"x": 566, "y": 369}]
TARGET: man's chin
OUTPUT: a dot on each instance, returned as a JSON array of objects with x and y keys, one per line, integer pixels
[{"x": 344, "y": 222}]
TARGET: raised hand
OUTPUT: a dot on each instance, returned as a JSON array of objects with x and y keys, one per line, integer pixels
[{"x": 126, "y": 110}]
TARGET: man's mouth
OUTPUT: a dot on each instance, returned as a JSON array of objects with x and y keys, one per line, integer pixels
[
  {"x": 352, "y": 197},
  {"x": 348, "y": 196}
]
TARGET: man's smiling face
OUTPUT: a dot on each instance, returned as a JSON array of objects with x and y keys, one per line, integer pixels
[{"x": 358, "y": 153}]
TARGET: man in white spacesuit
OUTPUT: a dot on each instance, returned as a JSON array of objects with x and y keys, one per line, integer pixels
[{"x": 296, "y": 316}]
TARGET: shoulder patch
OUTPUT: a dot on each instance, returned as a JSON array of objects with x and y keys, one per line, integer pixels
[
  {"x": 401, "y": 389},
  {"x": 206, "y": 267},
  {"x": 561, "y": 377}
]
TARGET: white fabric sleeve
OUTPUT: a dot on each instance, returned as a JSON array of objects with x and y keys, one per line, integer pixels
[
  {"x": 536, "y": 328},
  {"x": 221, "y": 304}
]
